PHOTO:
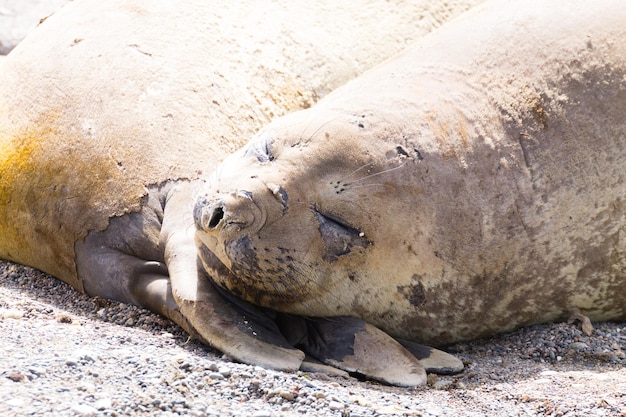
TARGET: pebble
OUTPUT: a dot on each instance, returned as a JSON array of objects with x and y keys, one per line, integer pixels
[
  {"x": 103, "y": 404},
  {"x": 14, "y": 402},
  {"x": 578, "y": 346},
  {"x": 84, "y": 410},
  {"x": 543, "y": 381},
  {"x": 216, "y": 376},
  {"x": 36, "y": 371},
  {"x": 442, "y": 384},
  {"x": 287, "y": 395},
  {"x": 336, "y": 405},
  {"x": 10, "y": 313},
  {"x": 548, "y": 373}
]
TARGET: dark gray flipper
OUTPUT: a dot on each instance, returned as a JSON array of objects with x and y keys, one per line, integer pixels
[
  {"x": 125, "y": 262},
  {"x": 435, "y": 361},
  {"x": 312, "y": 365},
  {"x": 355, "y": 346}
]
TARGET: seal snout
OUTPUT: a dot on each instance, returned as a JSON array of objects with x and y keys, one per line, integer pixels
[
  {"x": 210, "y": 215},
  {"x": 206, "y": 214},
  {"x": 229, "y": 213}
]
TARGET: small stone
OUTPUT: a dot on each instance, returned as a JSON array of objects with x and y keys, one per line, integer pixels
[
  {"x": 442, "y": 384},
  {"x": 216, "y": 376},
  {"x": 357, "y": 399},
  {"x": 179, "y": 358},
  {"x": 63, "y": 318},
  {"x": 16, "y": 376},
  {"x": 262, "y": 413},
  {"x": 87, "y": 356},
  {"x": 543, "y": 381},
  {"x": 10, "y": 313},
  {"x": 548, "y": 373},
  {"x": 308, "y": 383},
  {"x": 87, "y": 387},
  {"x": 288, "y": 395},
  {"x": 578, "y": 346},
  {"x": 103, "y": 404},
  {"x": 84, "y": 410},
  {"x": 186, "y": 366},
  {"x": 15, "y": 402},
  {"x": 36, "y": 371},
  {"x": 336, "y": 405}
]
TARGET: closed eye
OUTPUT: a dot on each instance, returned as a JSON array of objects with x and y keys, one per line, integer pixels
[
  {"x": 338, "y": 237},
  {"x": 260, "y": 147}
]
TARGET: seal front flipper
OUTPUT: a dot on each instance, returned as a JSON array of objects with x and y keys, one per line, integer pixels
[
  {"x": 125, "y": 262},
  {"x": 234, "y": 327},
  {"x": 433, "y": 360},
  {"x": 357, "y": 347}
]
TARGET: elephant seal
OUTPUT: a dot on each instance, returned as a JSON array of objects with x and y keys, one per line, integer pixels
[
  {"x": 471, "y": 185},
  {"x": 105, "y": 133}
]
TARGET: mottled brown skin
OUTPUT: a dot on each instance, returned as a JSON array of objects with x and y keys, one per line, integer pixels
[
  {"x": 112, "y": 112},
  {"x": 471, "y": 185}
]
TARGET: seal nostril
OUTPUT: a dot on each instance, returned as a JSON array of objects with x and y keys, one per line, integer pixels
[{"x": 216, "y": 216}]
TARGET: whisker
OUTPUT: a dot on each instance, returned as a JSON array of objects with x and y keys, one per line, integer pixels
[
  {"x": 316, "y": 131},
  {"x": 356, "y": 187},
  {"x": 376, "y": 174},
  {"x": 218, "y": 172},
  {"x": 356, "y": 171}
]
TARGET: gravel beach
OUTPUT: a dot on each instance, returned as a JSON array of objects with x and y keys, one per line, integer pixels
[{"x": 67, "y": 354}]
